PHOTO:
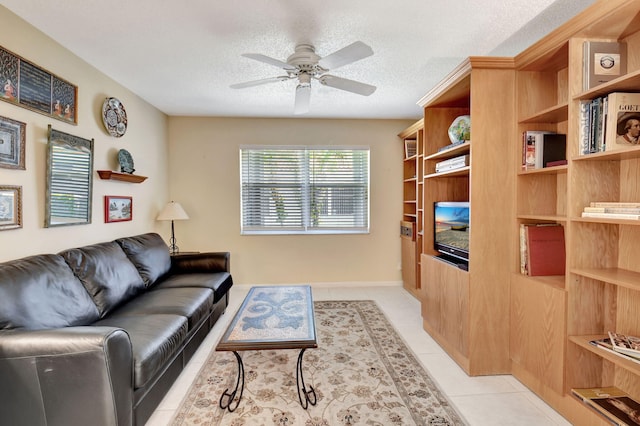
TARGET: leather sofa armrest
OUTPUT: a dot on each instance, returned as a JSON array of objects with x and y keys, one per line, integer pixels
[
  {"x": 71, "y": 376},
  {"x": 201, "y": 262}
]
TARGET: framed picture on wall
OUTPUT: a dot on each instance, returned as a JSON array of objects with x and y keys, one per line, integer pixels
[
  {"x": 12, "y": 142},
  {"x": 117, "y": 208},
  {"x": 10, "y": 207}
]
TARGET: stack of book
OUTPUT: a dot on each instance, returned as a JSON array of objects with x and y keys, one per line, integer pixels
[
  {"x": 452, "y": 163},
  {"x": 606, "y": 122},
  {"x": 542, "y": 250},
  {"x": 612, "y": 210},
  {"x": 614, "y": 404},
  {"x": 543, "y": 149}
]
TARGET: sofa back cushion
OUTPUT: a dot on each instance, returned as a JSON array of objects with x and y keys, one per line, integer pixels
[
  {"x": 41, "y": 292},
  {"x": 149, "y": 253},
  {"x": 106, "y": 272}
]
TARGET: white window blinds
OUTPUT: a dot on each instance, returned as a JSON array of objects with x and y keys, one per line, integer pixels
[{"x": 304, "y": 189}]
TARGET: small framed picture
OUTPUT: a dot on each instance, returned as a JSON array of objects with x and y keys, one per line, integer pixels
[
  {"x": 117, "y": 208},
  {"x": 10, "y": 207},
  {"x": 12, "y": 142},
  {"x": 410, "y": 148}
]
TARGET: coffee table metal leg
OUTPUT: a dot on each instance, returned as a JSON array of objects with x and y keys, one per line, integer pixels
[
  {"x": 302, "y": 389},
  {"x": 226, "y": 399}
]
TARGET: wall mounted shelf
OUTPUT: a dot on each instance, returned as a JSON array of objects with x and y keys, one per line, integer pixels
[{"x": 125, "y": 177}]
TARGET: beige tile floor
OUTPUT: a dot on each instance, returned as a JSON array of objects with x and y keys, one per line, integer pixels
[{"x": 487, "y": 400}]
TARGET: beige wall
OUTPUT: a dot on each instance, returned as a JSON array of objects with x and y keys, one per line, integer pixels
[
  {"x": 146, "y": 139},
  {"x": 199, "y": 168},
  {"x": 204, "y": 171}
]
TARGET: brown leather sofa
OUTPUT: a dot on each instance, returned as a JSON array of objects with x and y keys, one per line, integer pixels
[{"x": 96, "y": 335}]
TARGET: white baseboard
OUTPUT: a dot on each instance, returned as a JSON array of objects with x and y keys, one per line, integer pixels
[{"x": 346, "y": 284}]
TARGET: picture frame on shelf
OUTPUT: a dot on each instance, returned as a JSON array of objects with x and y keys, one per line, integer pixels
[
  {"x": 10, "y": 207},
  {"x": 12, "y": 143},
  {"x": 410, "y": 148},
  {"x": 118, "y": 208}
]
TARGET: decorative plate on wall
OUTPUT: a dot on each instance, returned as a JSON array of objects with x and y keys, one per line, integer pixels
[
  {"x": 114, "y": 117},
  {"x": 126, "y": 161}
]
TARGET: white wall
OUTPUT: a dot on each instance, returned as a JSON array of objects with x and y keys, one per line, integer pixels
[
  {"x": 146, "y": 139},
  {"x": 204, "y": 171}
]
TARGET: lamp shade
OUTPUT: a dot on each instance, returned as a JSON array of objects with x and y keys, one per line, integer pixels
[{"x": 172, "y": 211}]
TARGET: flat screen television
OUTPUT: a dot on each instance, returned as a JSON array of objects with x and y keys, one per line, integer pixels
[{"x": 451, "y": 229}]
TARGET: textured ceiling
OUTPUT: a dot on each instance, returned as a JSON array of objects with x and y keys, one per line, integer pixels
[{"x": 182, "y": 56}]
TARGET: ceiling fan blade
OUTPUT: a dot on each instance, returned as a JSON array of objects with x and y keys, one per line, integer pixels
[
  {"x": 346, "y": 55},
  {"x": 303, "y": 95},
  {"x": 348, "y": 85},
  {"x": 268, "y": 60},
  {"x": 259, "y": 82}
]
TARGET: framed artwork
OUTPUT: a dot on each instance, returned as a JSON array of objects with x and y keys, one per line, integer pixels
[
  {"x": 32, "y": 87},
  {"x": 117, "y": 208},
  {"x": 10, "y": 207},
  {"x": 12, "y": 143}
]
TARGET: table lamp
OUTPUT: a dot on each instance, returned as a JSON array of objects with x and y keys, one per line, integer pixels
[{"x": 173, "y": 211}]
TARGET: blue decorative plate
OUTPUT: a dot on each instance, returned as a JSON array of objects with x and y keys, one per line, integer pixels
[{"x": 126, "y": 161}]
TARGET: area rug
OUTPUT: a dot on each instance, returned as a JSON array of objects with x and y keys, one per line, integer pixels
[{"x": 362, "y": 371}]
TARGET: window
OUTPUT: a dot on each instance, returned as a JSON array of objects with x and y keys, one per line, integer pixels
[{"x": 287, "y": 189}]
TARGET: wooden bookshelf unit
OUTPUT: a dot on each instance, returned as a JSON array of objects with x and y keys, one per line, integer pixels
[
  {"x": 467, "y": 312},
  {"x": 554, "y": 318},
  {"x": 491, "y": 319}
]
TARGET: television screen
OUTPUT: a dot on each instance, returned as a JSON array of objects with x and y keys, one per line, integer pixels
[{"x": 451, "y": 228}]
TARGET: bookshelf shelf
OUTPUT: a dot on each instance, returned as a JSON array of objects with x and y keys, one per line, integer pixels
[
  {"x": 450, "y": 152},
  {"x": 554, "y": 114},
  {"x": 463, "y": 171},
  {"x": 625, "y": 83},
  {"x": 622, "y": 154},
  {"x": 617, "y": 276},
  {"x": 618, "y": 360},
  {"x": 545, "y": 171}
]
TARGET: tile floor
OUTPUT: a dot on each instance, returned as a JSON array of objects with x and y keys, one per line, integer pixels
[{"x": 487, "y": 400}]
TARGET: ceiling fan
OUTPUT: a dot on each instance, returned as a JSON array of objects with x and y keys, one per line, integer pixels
[{"x": 305, "y": 65}]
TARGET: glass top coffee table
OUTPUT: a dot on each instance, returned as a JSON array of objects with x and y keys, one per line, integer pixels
[{"x": 277, "y": 317}]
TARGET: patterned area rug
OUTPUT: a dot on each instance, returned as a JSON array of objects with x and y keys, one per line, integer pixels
[{"x": 362, "y": 371}]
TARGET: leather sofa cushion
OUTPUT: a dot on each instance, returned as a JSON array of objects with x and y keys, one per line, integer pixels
[
  {"x": 193, "y": 303},
  {"x": 219, "y": 282},
  {"x": 106, "y": 272},
  {"x": 149, "y": 253},
  {"x": 40, "y": 292},
  {"x": 155, "y": 339}
]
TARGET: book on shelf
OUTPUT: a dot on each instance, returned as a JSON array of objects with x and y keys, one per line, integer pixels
[
  {"x": 628, "y": 216},
  {"x": 533, "y": 143},
  {"x": 627, "y": 210},
  {"x": 603, "y": 61},
  {"x": 622, "y": 128},
  {"x": 453, "y": 145},
  {"x": 592, "y": 126},
  {"x": 612, "y": 403},
  {"x": 542, "y": 249},
  {"x": 452, "y": 163},
  {"x": 618, "y": 204},
  {"x": 524, "y": 270},
  {"x": 625, "y": 344},
  {"x": 605, "y": 343}
]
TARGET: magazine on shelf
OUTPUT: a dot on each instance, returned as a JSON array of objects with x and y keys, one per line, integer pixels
[
  {"x": 618, "y": 204},
  {"x": 628, "y": 216},
  {"x": 605, "y": 343},
  {"x": 623, "y": 343},
  {"x": 614, "y": 404}
]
